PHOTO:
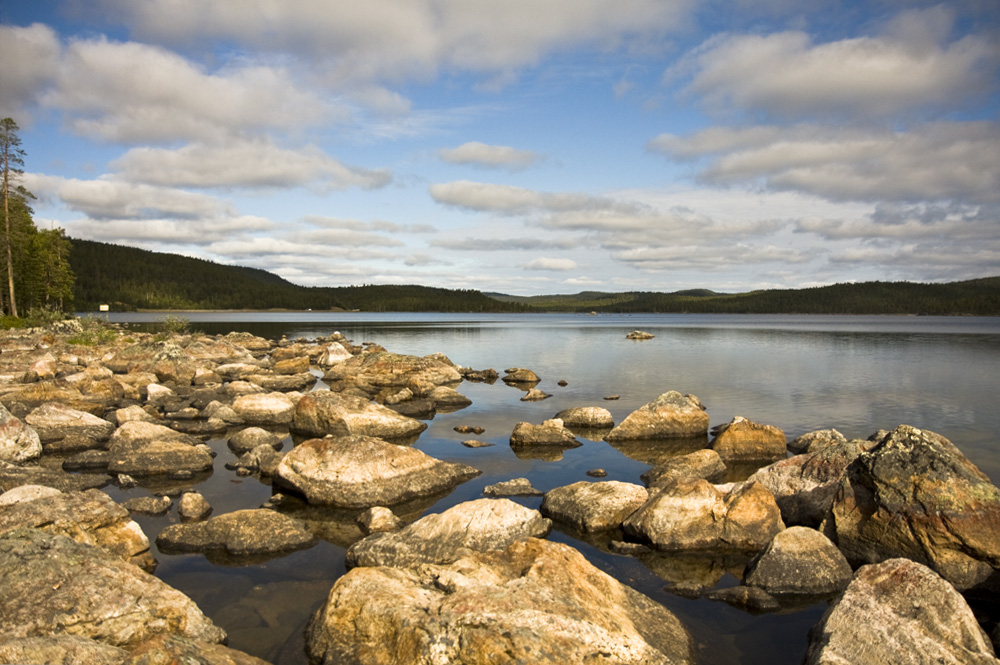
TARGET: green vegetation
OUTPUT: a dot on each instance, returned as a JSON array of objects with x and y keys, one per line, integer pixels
[{"x": 94, "y": 330}]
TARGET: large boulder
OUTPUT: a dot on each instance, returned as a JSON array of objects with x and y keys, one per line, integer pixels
[
  {"x": 364, "y": 471},
  {"x": 799, "y": 561},
  {"x": 249, "y": 438},
  {"x": 915, "y": 495},
  {"x": 696, "y": 515},
  {"x": 743, "y": 440},
  {"x": 536, "y": 602},
  {"x": 19, "y": 443},
  {"x": 325, "y": 412},
  {"x": 274, "y": 408},
  {"x": 90, "y": 517},
  {"x": 704, "y": 463},
  {"x": 594, "y": 506},
  {"x": 899, "y": 612},
  {"x": 474, "y": 526},
  {"x": 381, "y": 369},
  {"x": 147, "y": 449},
  {"x": 587, "y": 417},
  {"x": 239, "y": 533},
  {"x": 671, "y": 415},
  {"x": 804, "y": 485},
  {"x": 53, "y": 421},
  {"x": 51, "y": 584}
]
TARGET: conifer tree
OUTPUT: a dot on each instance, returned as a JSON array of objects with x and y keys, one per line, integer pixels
[{"x": 12, "y": 156}]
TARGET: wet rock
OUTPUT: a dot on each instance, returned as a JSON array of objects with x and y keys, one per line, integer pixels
[
  {"x": 696, "y": 515},
  {"x": 324, "y": 412},
  {"x": 671, "y": 415},
  {"x": 591, "y": 506},
  {"x": 799, "y": 561},
  {"x": 586, "y": 417},
  {"x": 193, "y": 507},
  {"x": 53, "y": 421},
  {"x": 704, "y": 463},
  {"x": 514, "y": 487},
  {"x": 148, "y": 505},
  {"x": 378, "y": 519},
  {"x": 87, "y": 460},
  {"x": 518, "y": 375},
  {"x": 364, "y": 471},
  {"x": 274, "y": 408},
  {"x": 915, "y": 495},
  {"x": 239, "y": 533},
  {"x": 19, "y": 443},
  {"x": 804, "y": 485},
  {"x": 446, "y": 398},
  {"x": 468, "y": 429},
  {"x": 146, "y": 449},
  {"x": 90, "y": 517},
  {"x": 481, "y": 526},
  {"x": 899, "y": 612},
  {"x": 743, "y": 440},
  {"x": 480, "y": 376},
  {"x": 748, "y": 598},
  {"x": 812, "y": 442},
  {"x": 249, "y": 438},
  {"x": 597, "y": 473},
  {"x": 549, "y": 433},
  {"x": 263, "y": 458},
  {"x": 639, "y": 335},
  {"x": 540, "y": 600},
  {"x": 12, "y": 475}
]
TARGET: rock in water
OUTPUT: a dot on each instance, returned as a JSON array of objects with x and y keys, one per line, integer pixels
[
  {"x": 239, "y": 533},
  {"x": 324, "y": 412},
  {"x": 915, "y": 495},
  {"x": 671, "y": 415},
  {"x": 363, "y": 471},
  {"x": 594, "y": 506},
  {"x": 743, "y": 440},
  {"x": 536, "y": 602},
  {"x": 799, "y": 561},
  {"x": 899, "y": 613}
]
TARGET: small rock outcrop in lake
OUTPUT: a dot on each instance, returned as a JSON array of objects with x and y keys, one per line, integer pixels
[
  {"x": 378, "y": 519},
  {"x": 812, "y": 442},
  {"x": 915, "y": 495},
  {"x": 19, "y": 443},
  {"x": 535, "y": 395},
  {"x": 250, "y": 437},
  {"x": 671, "y": 415},
  {"x": 696, "y": 515},
  {"x": 639, "y": 335},
  {"x": 586, "y": 417},
  {"x": 549, "y": 433},
  {"x": 147, "y": 449},
  {"x": 899, "y": 612},
  {"x": 540, "y": 600},
  {"x": 441, "y": 538},
  {"x": 799, "y": 561},
  {"x": 193, "y": 507},
  {"x": 743, "y": 440},
  {"x": 239, "y": 533},
  {"x": 375, "y": 370},
  {"x": 325, "y": 412},
  {"x": 704, "y": 463},
  {"x": 273, "y": 408},
  {"x": 520, "y": 375},
  {"x": 50, "y": 584},
  {"x": 594, "y": 506},
  {"x": 364, "y": 471},
  {"x": 514, "y": 487}
]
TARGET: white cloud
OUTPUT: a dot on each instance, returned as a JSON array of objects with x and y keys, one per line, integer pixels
[
  {"x": 479, "y": 154},
  {"x": 545, "y": 263},
  {"x": 787, "y": 75},
  {"x": 511, "y": 200},
  {"x": 30, "y": 58},
  {"x": 244, "y": 164}
]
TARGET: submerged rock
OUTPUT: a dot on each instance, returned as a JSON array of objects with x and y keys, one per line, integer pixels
[
  {"x": 671, "y": 415},
  {"x": 540, "y": 600},
  {"x": 239, "y": 533}
]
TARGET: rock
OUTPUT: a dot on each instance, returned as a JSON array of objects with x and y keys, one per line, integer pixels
[
  {"x": 324, "y": 412},
  {"x": 19, "y": 443},
  {"x": 90, "y": 517},
  {"x": 519, "y": 375},
  {"x": 480, "y": 376},
  {"x": 148, "y": 505},
  {"x": 167, "y": 649},
  {"x": 812, "y": 442},
  {"x": 193, "y": 507},
  {"x": 799, "y": 561},
  {"x": 446, "y": 398},
  {"x": 142, "y": 449},
  {"x": 263, "y": 458},
  {"x": 539, "y": 600},
  {"x": 26, "y": 493},
  {"x": 380, "y": 369},
  {"x": 131, "y": 413},
  {"x": 61, "y": 649},
  {"x": 695, "y": 515},
  {"x": 586, "y": 417},
  {"x": 671, "y": 415},
  {"x": 749, "y": 598},
  {"x": 704, "y": 463},
  {"x": 12, "y": 476},
  {"x": 440, "y": 538},
  {"x": 378, "y": 519},
  {"x": 50, "y": 584},
  {"x": 274, "y": 408},
  {"x": 284, "y": 383},
  {"x": 363, "y": 471},
  {"x": 899, "y": 613},
  {"x": 804, "y": 485},
  {"x": 515, "y": 487},
  {"x": 53, "y": 421},
  {"x": 743, "y": 440},
  {"x": 239, "y": 533},
  {"x": 549, "y": 433},
  {"x": 639, "y": 335},
  {"x": 289, "y": 366},
  {"x": 535, "y": 395},
  {"x": 22, "y": 401},
  {"x": 472, "y": 443},
  {"x": 87, "y": 460},
  {"x": 915, "y": 495},
  {"x": 468, "y": 429},
  {"x": 247, "y": 439},
  {"x": 592, "y": 506},
  {"x": 333, "y": 354},
  {"x": 44, "y": 368}
]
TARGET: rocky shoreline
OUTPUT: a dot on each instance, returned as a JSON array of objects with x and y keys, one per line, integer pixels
[{"x": 895, "y": 532}]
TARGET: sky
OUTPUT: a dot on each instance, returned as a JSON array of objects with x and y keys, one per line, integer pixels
[{"x": 516, "y": 146}]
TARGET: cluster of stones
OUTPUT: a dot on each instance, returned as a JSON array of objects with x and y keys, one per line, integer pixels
[{"x": 895, "y": 527}]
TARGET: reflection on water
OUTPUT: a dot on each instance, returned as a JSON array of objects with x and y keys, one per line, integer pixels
[{"x": 799, "y": 373}]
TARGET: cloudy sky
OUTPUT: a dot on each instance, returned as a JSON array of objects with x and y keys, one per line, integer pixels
[{"x": 528, "y": 147}]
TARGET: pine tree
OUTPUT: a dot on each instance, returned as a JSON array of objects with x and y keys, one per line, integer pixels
[{"x": 12, "y": 156}]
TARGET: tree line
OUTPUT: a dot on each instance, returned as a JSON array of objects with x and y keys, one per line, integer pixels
[{"x": 35, "y": 270}]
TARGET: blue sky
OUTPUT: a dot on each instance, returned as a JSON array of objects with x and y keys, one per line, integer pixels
[{"x": 523, "y": 147}]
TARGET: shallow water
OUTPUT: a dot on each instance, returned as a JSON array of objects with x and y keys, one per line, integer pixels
[{"x": 799, "y": 373}]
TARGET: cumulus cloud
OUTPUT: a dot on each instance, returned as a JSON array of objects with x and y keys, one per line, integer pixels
[
  {"x": 30, "y": 58},
  {"x": 546, "y": 263},
  {"x": 244, "y": 164},
  {"x": 482, "y": 155},
  {"x": 786, "y": 75},
  {"x": 511, "y": 200}
]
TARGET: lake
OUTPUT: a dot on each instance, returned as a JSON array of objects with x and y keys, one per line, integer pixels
[{"x": 857, "y": 374}]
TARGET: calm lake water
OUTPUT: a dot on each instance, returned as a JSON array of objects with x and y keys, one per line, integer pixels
[{"x": 800, "y": 373}]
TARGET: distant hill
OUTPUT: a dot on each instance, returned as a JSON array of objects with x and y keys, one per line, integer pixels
[{"x": 127, "y": 278}]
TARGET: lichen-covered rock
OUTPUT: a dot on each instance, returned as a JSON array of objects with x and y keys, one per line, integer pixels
[
  {"x": 274, "y": 408},
  {"x": 19, "y": 443},
  {"x": 743, "y": 440},
  {"x": 520, "y": 375},
  {"x": 239, "y": 533},
  {"x": 537, "y": 602},
  {"x": 61, "y": 650},
  {"x": 193, "y": 506},
  {"x": 704, "y": 463},
  {"x": 382, "y": 369},
  {"x": 13, "y": 475},
  {"x": 481, "y": 526},
  {"x": 812, "y": 442},
  {"x": 799, "y": 561},
  {"x": 696, "y": 515},
  {"x": 594, "y": 506},
  {"x": 671, "y": 415},
  {"x": 249, "y": 438},
  {"x": 512, "y": 487},
  {"x": 915, "y": 495},
  {"x": 26, "y": 493},
  {"x": 899, "y": 612},
  {"x": 325, "y": 412},
  {"x": 587, "y": 417},
  {"x": 549, "y": 433},
  {"x": 364, "y": 471},
  {"x": 378, "y": 519},
  {"x": 142, "y": 449},
  {"x": 53, "y": 421}
]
